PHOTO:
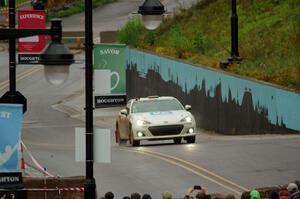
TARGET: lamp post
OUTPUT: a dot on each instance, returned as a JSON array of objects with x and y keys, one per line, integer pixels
[
  {"x": 55, "y": 58},
  {"x": 234, "y": 53},
  {"x": 55, "y": 54},
  {"x": 234, "y": 56},
  {"x": 89, "y": 184},
  {"x": 152, "y": 11}
]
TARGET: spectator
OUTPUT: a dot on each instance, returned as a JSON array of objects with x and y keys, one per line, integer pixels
[
  {"x": 109, "y": 195},
  {"x": 292, "y": 188},
  {"x": 201, "y": 194},
  {"x": 166, "y": 195},
  {"x": 293, "y": 191},
  {"x": 283, "y": 197},
  {"x": 135, "y": 195},
  {"x": 146, "y": 196},
  {"x": 283, "y": 193},
  {"x": 229, "y": 196},
  {"x": 273, "y": 195},
  {"x": 254, "y": 194}
]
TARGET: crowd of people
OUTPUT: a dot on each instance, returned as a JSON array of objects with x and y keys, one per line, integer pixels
[
  {"x": 199, "y": 192},
  {"x": 291, "y": 192}
]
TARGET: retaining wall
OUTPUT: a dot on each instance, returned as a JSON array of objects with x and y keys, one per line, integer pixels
[{"x": 220, "y": 101}]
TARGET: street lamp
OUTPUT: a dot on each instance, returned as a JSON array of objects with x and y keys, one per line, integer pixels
[
  {"x": 56, "y": 58},
  {"x": 152, "y": 13},
  {"x": 150, "y": 9},
  {"x": 234, "y": 54}
]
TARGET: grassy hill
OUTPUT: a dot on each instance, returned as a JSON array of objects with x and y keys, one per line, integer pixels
[{"x": 269, "y": 37}]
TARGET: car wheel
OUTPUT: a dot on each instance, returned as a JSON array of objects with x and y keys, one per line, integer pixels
[
  {"x": 133, "y": 142},
  {"x": 191, "y": 139},
  {"x": 177, "y": 140}
]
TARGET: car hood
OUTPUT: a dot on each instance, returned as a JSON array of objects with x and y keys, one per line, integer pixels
[{"x": 162, "y": 117}]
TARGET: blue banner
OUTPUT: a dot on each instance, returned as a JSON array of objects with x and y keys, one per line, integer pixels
[{"x": 11, "y": 116}]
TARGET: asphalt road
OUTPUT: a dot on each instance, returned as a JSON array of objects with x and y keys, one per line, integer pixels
[{"x": 223, "y": 164}]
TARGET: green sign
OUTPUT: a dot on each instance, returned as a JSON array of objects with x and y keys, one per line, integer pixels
[{"x": 110, "y": 58}]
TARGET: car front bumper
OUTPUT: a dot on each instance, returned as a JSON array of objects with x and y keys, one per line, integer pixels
[{"x": 163, "y": 132}]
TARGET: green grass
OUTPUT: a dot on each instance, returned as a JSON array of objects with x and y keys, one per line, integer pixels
[
  {"x": 4, "y": 3},
  {"x": 73, "y": 7},
  {"x": 269, "y": 38}
]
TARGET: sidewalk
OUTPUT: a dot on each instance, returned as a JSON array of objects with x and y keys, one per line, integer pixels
[{"x": 73, "y": 106}]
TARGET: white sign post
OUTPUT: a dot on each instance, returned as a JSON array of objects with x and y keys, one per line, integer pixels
[{"x": 102, "y": 145}]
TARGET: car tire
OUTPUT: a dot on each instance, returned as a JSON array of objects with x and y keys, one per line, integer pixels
[
  {"x": 133, "y": 142},
  {"x": 191, "y": 139},
  {"x": 177, "y": 140}
]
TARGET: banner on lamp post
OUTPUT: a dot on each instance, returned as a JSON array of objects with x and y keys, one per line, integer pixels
[
  {"x": 30, "y": 47},
  {"x": 11, "y": 117},
  {"x": 110, "y": 75}
]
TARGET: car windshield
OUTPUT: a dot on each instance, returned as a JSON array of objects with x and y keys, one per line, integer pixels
[{"x": 156, "y": 106}]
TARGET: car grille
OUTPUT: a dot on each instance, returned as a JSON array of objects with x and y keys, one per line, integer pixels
[{"x": 165, "y": 130}]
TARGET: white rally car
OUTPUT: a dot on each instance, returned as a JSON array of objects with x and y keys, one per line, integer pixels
[{"x": 155, "y": 118}]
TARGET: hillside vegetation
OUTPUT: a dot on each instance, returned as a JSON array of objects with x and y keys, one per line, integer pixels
[
  {"x": 64, "y": 8},
  {"x": 269, "y": 37}
]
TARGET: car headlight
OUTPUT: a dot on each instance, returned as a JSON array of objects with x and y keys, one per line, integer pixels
[
  {"x": 187, "y": 119},
  {"x": 141, "y": 122}
]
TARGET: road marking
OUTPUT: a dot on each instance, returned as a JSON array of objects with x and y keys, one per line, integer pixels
[
  {"x": 196, "y": 169},
  {"x": 24, "y": 74}
]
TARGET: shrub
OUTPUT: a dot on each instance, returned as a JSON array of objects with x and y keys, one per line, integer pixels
[
  {"x": 199, "y": 42},
  {"x": 179, "y": 41},
  {"x": 131, "y": 32}
]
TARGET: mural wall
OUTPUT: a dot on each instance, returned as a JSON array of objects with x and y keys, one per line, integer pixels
[{"x": 220, "y": 102}]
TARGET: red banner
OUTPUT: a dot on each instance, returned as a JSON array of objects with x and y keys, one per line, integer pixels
[{"x": 32, "y": 19}]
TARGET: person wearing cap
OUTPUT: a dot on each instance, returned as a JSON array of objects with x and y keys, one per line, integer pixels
[
  {"x": 254, "y": 194},
  {"x": 166, "y": 195},
  {"x": 293, "y": 190}
]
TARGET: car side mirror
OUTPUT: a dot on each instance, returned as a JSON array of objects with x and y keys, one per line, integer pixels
[
  {"x": 188, "y": 107},
  {"x": 124, "y": 112}
]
